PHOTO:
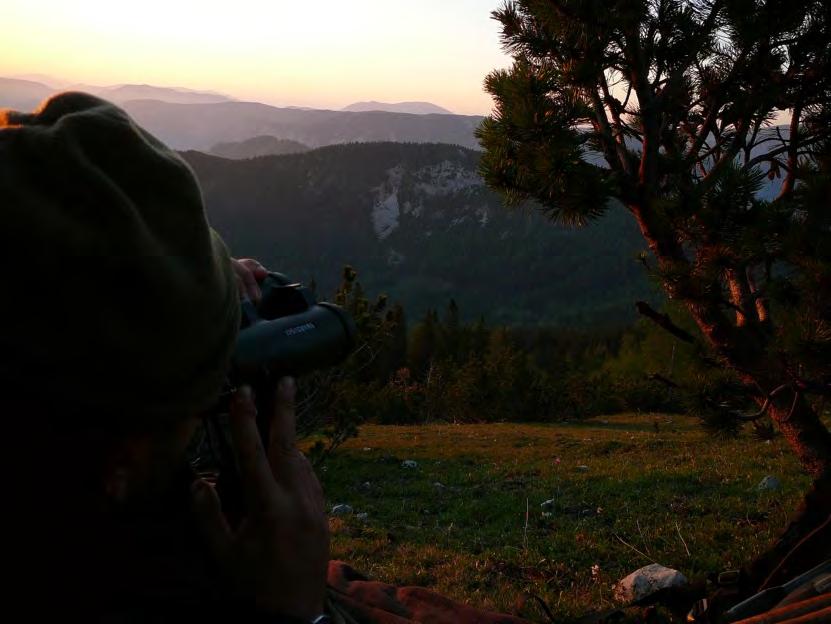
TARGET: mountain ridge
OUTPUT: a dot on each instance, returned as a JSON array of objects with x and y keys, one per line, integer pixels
[
  {"x": 186, "y": 119},
  {"x": 414, "y": 108},
  {"x": 201, "y": 126},
  {"x": 24, "y": 94},
  {"x": 256, "y": 147},
  {"x": 418, "y": 224}
]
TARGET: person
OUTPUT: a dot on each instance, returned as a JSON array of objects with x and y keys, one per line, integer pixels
[{"x": 121, "y": 310}]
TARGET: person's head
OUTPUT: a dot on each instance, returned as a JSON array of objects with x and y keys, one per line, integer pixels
[{"x": 120, "y": 308}]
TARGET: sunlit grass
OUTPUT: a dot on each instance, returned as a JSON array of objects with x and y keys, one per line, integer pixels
[{"x": 652, "y": 481}]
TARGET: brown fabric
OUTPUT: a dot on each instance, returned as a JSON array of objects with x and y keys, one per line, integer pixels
[
  {"x": 373, "y": 602},
  {"x": 813, "y": 611},
  {"x": 809, "y": 611}
]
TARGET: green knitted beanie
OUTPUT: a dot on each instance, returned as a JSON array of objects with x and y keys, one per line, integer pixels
[{"x": 119, "y": 301}]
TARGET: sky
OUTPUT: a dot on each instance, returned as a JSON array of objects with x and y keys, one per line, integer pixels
[{"x": 317, "y": 53}]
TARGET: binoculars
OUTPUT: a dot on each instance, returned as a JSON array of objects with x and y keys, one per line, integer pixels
[
  {"x": 290, "y": 333},
  {"x": 287, "y": 333}
]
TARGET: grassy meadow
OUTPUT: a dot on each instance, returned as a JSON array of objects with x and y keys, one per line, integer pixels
[{"x": 468, "y": 522}]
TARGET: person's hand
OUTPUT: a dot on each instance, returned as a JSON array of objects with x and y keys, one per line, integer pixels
[
  {"x": 249, "y": 275},
  {"x": 278, "y": 557}
]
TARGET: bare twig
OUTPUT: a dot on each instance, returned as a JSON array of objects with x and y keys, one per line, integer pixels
[
  {"x": 796, "y": 396},
  {"x": 677, "y": 528},
  {"x": 764, "y": 408},
  {"x": 643, "y": 539},
  {"x": 663, "y": 320},
  {"x": 545, "y": 607},
  {"x": 784, "y": 149},
  {"x": 628, "y": 545}
]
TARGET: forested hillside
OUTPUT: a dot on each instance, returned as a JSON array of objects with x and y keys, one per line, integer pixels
[{"x": 419, "y": 225}]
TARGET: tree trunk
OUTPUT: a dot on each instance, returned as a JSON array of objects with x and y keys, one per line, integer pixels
[
  {"x": 739, "y": 295},
  {"x": 799, "y": 547},
  {"x": 807, "y": 436},
  {"x": 804, "y": 543}
]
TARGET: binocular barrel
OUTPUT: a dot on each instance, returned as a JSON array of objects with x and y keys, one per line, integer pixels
[{"x": 322, "y": 335}]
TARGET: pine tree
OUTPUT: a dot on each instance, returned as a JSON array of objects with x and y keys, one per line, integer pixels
[
  {"x": 665, "y": 109},
  {"x": 398, "y": 342},
  {"x": 452, "y": 333},
  {"x": 478, "y": 338},
  {"x": 393, "y": 353},
  {"x": 424, "y": 344}
]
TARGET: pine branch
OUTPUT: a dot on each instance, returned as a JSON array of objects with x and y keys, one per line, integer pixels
[
  {"x": 663, "y": 321},
  {"x": 768, "y": 400},
  {"x": 785, "y": 148},
  {"x": 726, "y": 158},
  {"x": 616, "y": 131},
  {"x": 664, "y": 380},
  {"x": 604, "y": 129},
  {"x": 793, "y": 148}
]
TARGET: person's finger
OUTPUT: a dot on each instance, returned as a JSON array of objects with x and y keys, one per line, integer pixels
[
  {"x": 252, "y": 287},
  {"x": 259, "y": 271},
  {"x": 209, "y": 518},
  {"x": 258, "y": 482},
  {"x": 312, "y": 491},
  {"x": 284, "y": 421},
  {"x": 241, "y": 287},
  {"x": 282, "y": 452},
  {"x": 290, "y": 467}
]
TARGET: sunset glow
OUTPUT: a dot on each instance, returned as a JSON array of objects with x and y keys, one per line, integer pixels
[{"x": 323, "y": 54}]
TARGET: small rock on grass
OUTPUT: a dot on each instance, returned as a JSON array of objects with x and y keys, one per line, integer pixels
[
  {"x": 646, "y": 581},
  {"x": 582, "y": 468},
  {"x": 363, "y": 516},
  {"x": 409, "y": 463},
  {"x": 769, "y": 483},
  {"x": 341, "y": 510}
]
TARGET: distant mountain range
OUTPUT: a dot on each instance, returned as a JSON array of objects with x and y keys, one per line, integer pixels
[
  {"x": 414, "y": 108},
  {"x": 25, "y": 88},
  {"x": 418, "y": 223},
  {"x": 124, "y": 93},
  {"x": 201, "y": 126},
  {"x": 22, "y": 95},
  {"x": 25, "y": 95},
  {"x": 187, "y": 119}
]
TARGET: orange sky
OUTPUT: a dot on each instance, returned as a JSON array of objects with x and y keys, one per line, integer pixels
[{"x": 321, "y": 53}]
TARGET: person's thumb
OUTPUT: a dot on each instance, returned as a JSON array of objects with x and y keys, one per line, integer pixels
[{"x": 212, "y": 524}]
